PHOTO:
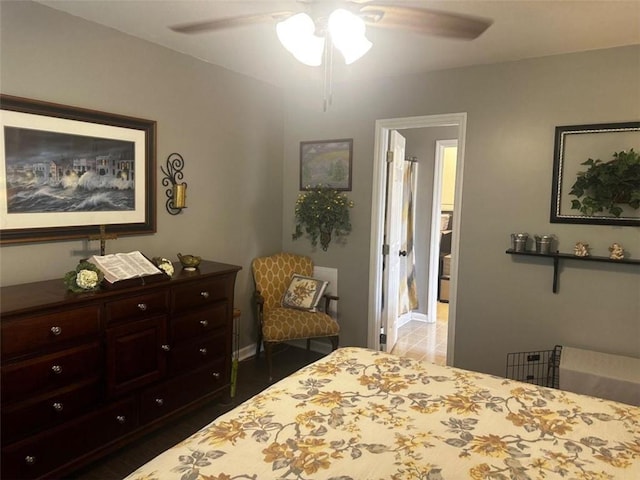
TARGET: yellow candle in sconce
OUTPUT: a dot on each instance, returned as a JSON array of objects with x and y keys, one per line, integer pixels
[{"x": 180, "y": 195}]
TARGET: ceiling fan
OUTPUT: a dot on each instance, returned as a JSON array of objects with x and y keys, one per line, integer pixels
[
  {"x": 375, "y": 14},
  {"x": 342, "y": 23}
]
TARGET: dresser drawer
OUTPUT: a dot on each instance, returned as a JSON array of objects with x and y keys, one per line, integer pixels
[
  {"x": 139, "y": 306},
  {"x": 196, "y": 354},
  {"x": 51, "y": 371},
  {"x": 162, "y": 400},
  {"x": 197, "y": 323},
  {"x": 136, "y": 354},
  {"x": 198, "y": 294},
  {"x": 45, "y": 411},
  {"x": 27, "y": 334},
  {"x": 51, "y": 450}
]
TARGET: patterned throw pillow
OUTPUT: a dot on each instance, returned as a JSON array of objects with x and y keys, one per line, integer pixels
[{"x": 304, "y": 293}]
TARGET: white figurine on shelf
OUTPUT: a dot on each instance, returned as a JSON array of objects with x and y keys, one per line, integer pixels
[
  {"x": 581, "y": 249},
  {"x": 617, "y": 252}
]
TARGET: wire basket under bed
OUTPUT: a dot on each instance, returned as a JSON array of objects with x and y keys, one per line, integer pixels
[{"x": 540, "y": 367}]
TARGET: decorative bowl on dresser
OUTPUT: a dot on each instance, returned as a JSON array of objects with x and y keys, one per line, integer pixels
[{"x": 83, "y": 374}]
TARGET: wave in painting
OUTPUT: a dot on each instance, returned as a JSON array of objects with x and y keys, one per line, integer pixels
[
  {"x": 89, "y": 192},
  {"x": 50, "y": 172}
]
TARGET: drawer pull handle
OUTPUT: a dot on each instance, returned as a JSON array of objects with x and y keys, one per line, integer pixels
[
  {"x": 121, "y": 418},
  {"x": 204, "y": 294},
  {"x": 203, "y": 351},
  {"x": 142, "y": 306},
  {"x": 204, "y": 323},
  {"x": 29, "y": 459},
  {"x": 56, "y": 330},
  {"x": 166, "y": 347},
  {"x": 57, "y": 369},
  {"x": 58, "y": 407},
  {"x": 216, "y": 375},
  {"x": 159, "y": 402}
]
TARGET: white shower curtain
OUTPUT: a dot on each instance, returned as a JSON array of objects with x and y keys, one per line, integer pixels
[{"x": 408, "y": 289}]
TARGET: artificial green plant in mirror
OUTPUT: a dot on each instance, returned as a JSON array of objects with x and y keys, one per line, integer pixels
[
  {"x": 322, "y": 213},
  {"x": 607, "y": 185}
]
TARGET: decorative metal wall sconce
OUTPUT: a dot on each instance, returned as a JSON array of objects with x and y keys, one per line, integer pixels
[{"x": 177, "y": 192}]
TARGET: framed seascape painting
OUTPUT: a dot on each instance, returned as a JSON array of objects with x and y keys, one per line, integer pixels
[
  {"x": 596, "y": 174},
  {"x": 326, "y": 164},
  {"x": 66, "y": 171}
]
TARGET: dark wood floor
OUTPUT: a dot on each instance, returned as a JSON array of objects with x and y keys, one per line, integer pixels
[{"x": 252, "y": 379}]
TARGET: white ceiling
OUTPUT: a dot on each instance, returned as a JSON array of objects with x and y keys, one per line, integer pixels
[{"x": 521, "y": 29}]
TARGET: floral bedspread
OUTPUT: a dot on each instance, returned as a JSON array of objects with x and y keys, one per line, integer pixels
[{"x": 360, "y": 414}]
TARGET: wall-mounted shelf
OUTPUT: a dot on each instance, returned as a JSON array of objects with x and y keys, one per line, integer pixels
[{"x": 568, "y": 256}]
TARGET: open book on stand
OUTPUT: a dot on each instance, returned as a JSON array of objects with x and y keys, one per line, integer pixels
[{"x": 127, "y": 269}]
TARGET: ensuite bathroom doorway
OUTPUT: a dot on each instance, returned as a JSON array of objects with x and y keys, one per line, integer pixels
[
  {"x": 423, "y": 332},
  {"x": 434, "y": 329}
]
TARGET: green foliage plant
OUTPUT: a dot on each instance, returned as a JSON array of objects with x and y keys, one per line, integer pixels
[
  {"x": 607, "y": 185},
  {"x": 321, "y": 213}
]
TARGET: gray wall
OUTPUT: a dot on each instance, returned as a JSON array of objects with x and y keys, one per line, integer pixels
[
  {"x": 227, "y": 127},
  {"x": 504, "y": 304},
  {"x": 234, "y": 133}
]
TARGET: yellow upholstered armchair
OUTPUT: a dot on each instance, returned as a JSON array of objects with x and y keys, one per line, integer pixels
[{"x": 279, "y": 317}]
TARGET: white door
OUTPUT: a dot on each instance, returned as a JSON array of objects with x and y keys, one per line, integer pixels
[{"x": 393, "y": 223}]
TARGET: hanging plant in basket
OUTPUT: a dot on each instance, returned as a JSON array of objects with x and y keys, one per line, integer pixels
[
  {"x": 607, "y": 185},
  {"x": 322, "y": 213}
]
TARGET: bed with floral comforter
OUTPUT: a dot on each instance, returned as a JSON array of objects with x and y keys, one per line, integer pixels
[{"x": 360, "y": 414}]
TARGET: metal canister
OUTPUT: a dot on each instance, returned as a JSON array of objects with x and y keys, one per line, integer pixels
[
  {"x": 543, "y": 243},
  {"x": 519, "y": 241}
]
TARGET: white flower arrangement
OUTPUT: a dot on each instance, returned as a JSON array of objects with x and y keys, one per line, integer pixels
[
  {"x": 164, "y": 264},
  {"x": 85, "y": 278}
]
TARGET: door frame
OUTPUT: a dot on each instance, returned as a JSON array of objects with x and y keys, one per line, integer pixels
[
  {"x": 382, "y": 129},
  {"x": 434, "y": 249}
]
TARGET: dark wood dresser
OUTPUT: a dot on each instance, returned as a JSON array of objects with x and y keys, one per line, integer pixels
[{"x": 83, "y": 374}]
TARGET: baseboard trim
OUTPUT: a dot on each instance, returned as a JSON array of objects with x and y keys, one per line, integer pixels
[
  {"x": 247, "y": 352},
  {"x": 420, "y": 317},
  {"x": 317, "y": 345},
  {"x": 407, "y": 317}
]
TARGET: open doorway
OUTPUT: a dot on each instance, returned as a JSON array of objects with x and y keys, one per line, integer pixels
[
  {"x": 423, "y": 334},
  {"x": 377, "y": 323}
]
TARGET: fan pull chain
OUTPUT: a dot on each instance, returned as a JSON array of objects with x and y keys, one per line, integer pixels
[{"x": 327, "y": 98}]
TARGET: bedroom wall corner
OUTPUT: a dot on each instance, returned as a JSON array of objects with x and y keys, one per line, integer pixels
[{"x": 228, "y": 127}]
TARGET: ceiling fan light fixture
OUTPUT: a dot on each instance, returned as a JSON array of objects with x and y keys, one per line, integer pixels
[
  {"x": 355, "y": 49},
  {"x": 297, "y": 35},
  {"x": 348, "y": 34}
]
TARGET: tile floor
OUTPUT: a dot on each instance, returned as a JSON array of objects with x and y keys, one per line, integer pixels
[{"x": 425, "y": 341}]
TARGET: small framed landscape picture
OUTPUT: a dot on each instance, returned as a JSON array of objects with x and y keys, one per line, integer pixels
[{"x": 326, "y": 163}]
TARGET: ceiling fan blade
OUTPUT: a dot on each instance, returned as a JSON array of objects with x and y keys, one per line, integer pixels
[
  {"x": 424, "y": 21},
  {"x": 229, "y": 22}
]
